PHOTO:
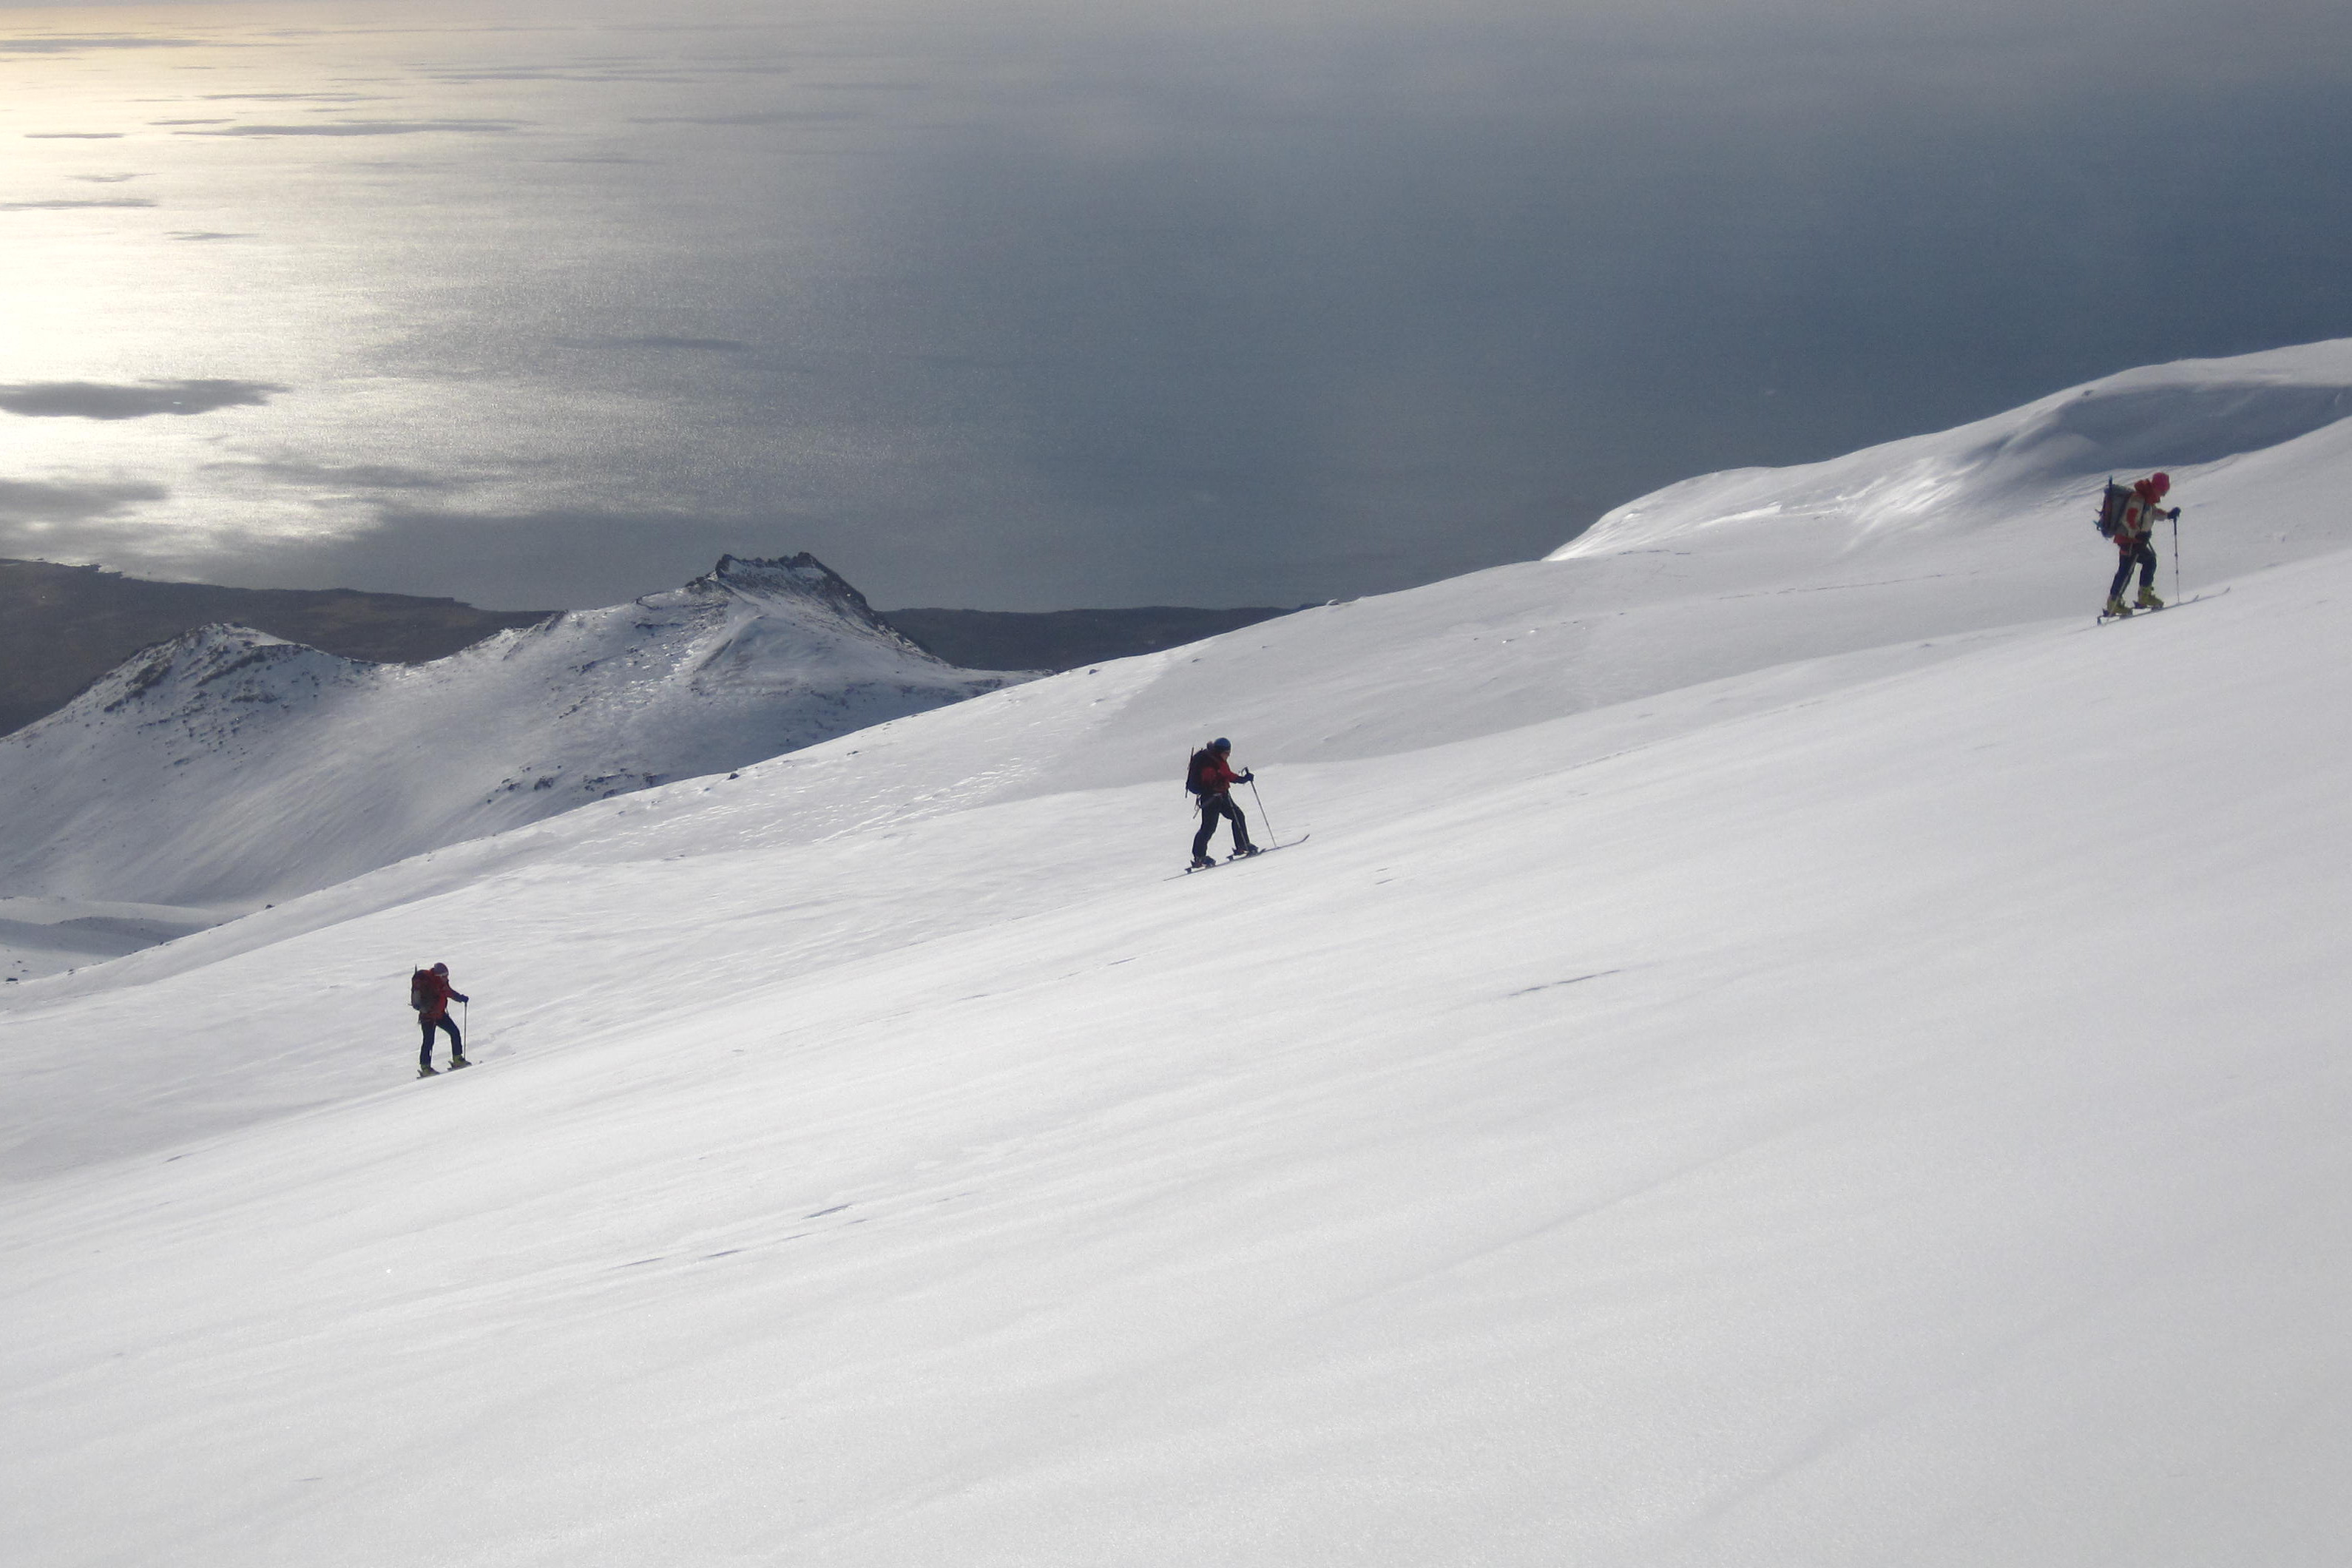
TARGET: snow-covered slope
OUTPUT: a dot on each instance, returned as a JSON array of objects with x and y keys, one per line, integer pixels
[
  {"x": 41, "y": 936},
  {"x": 230, "y": 767},
  {"x": 1787, "y": 1046}
]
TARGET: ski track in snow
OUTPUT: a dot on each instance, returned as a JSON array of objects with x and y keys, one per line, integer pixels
[{"x": 1787, "y": 1045}]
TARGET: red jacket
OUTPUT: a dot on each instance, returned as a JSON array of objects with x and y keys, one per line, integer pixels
[
  {"x": 1217, "y": 776},
  {"x": 434, "y": 991}
]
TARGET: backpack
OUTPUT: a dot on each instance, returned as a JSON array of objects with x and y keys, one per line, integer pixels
[
  {"x": 2111, "y": 508},
  {"x": 1192, "y": 770},
  {"x": 420, "y": 990}
]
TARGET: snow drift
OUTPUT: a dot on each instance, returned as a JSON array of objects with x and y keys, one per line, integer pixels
[
  {"x": 228, "y": 767},
  {"x": 1787, "y": 1045}
]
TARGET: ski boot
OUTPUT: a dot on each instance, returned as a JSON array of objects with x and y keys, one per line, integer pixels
[
  {"x": 2116, "y": 607},
  {"x": 1200, "y": 863},
  {"x": 1244, "y": 851},
  {"x": 427, "y": 1070},
  {"x": 456, "y": 1062},
  {"x": 2147, "y": 599}
]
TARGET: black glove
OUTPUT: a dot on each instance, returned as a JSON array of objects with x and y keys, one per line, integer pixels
[
  {"x": 2176, "y": 514},
  {"x": 1250, "y": 777}
]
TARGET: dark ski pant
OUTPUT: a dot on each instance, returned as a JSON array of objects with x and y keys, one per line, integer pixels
[
  {"x": 1216, "y": 808},
  {"x": 2144, "y": 559},
  {"x": 457, "y": 1045}
]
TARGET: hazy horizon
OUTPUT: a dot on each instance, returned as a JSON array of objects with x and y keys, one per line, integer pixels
[{"x": 1039, "y": 307}]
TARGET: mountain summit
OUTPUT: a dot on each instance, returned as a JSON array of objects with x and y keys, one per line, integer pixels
[
  {"x": 228, "y": 767},
  {"x": 796, "y": 590}
]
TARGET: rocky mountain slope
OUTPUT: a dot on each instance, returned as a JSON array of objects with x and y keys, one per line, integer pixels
[
  {"x": 228, "y": 767},
  {"x": 62, "y": 627}
]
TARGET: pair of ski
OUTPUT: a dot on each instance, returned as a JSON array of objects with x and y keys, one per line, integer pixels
[
  {"x": 2159, "y": 609},
  {"x": 1263, "y": 849}
]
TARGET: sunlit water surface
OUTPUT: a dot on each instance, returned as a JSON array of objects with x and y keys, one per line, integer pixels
[{"x": 1032, "y": 305}]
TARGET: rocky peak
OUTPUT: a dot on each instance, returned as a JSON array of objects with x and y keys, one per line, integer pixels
[
  {"x": 201, "y": 657},
  {"x": 800, "y": 576},
  {"x": 799, "y": 581}
]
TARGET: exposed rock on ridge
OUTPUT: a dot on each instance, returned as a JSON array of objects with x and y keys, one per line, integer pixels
[{"x": 227, "y": 766}]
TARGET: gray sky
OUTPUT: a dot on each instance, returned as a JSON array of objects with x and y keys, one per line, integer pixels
[{"x": 1027, "y": 306}]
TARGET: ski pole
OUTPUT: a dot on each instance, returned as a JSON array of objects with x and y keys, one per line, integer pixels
[
  {"x": 1272, "y": 837},
  {"x": 2179, "y": 592}
]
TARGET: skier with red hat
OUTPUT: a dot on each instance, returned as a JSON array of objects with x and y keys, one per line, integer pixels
[
  {"x": 429, "y": 994},
  {"x": 2134, "y": 537}
]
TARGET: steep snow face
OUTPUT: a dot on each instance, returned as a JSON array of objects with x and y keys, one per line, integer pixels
[
  {"x": 228, "y": 767},
  {"x": 1787, "y": 1044}
]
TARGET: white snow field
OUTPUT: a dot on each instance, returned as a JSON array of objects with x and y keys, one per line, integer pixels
[
  {"x": 40, "y": 936},
  {"x": 227, "y": 767},
  {"x": 1787, "y": 1046}
]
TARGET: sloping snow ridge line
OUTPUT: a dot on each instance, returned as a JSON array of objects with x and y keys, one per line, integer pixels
[
  {"x": 1787, "y": 1045},
  {"x": 228, "y": 767}
]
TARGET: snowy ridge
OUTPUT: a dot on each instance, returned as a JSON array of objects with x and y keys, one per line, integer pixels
[
  {"x": 2025, "y": 470},
  {"x": 1787, "y": 1045},
  {"x": 287, "y": 769}
]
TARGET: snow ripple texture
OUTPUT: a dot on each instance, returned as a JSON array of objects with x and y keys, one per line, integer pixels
[{"x": 1788, "y": 1047}]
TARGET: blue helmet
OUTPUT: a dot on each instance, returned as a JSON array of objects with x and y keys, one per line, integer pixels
[{"x": 1220, "y": 744}]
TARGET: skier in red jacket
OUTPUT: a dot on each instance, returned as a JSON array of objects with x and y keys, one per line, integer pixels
[
  {"x": 2134, "y": 530},
  {"x": 429, "y": 994},
  {"x": 1212, "y": 780}
]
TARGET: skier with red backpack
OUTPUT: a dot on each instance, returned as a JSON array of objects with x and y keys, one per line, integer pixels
[
  {"x": 1210, "y": 778},
  {"x": 429, "y": 994},
  {"x": 2127, "y": 514}
]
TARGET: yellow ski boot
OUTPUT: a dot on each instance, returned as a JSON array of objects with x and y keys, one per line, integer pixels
[{"x": 2147, "y": 599}]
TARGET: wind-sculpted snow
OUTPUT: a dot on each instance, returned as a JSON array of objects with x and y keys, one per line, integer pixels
[
  {"x": 228, "y": 767},
  {"x": 2024, "y": 474},
  {"x": 1788, "y": 1044}
]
